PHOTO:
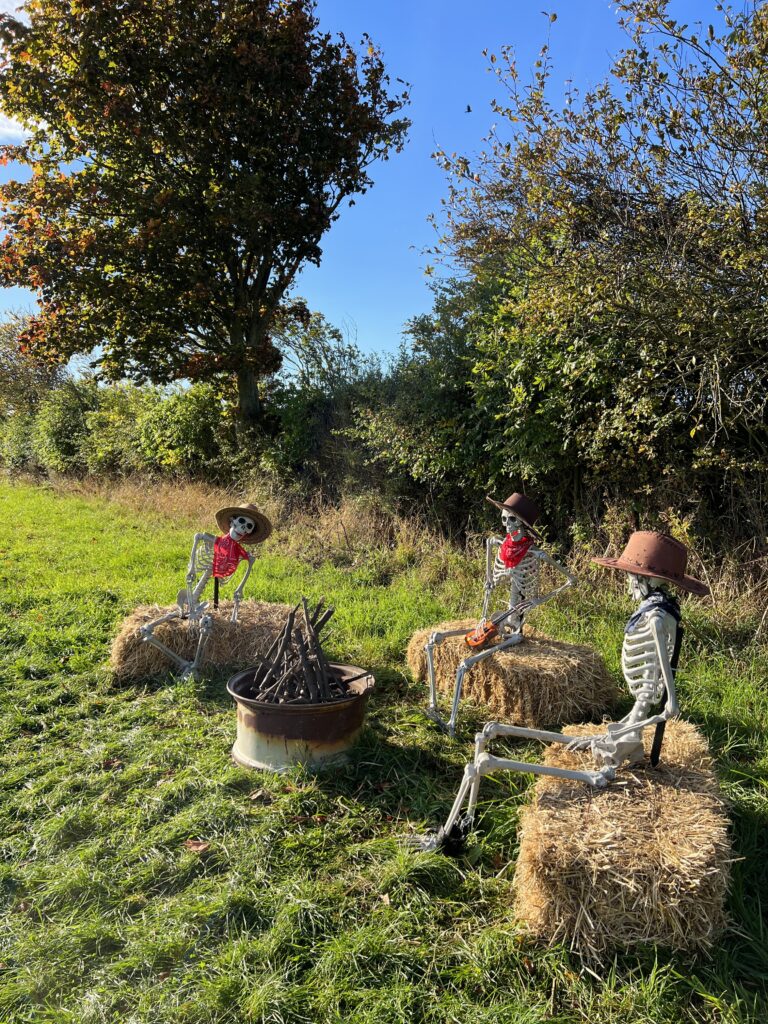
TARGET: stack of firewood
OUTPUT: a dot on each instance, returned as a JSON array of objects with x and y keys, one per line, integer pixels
[{"x": 295, "y": 670}]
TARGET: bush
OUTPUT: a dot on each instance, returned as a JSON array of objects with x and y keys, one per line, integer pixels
[
  {"x": 16, "y": 451},
  {"x": 312, "y": 403},
  {"x": 60, "y": 434},
  {"x": 185, "y": 434},
  {"x": 115, "y": 429}
]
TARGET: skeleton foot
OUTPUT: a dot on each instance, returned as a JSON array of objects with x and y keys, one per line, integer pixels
[
  {"x": 434, "y": 716},
  {"x": 452, "y": 842}
]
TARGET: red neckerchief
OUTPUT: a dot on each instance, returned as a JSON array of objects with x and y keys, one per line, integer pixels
[
  {"x": 227, "y": 555},
  {"x": 512, "y": 552}
]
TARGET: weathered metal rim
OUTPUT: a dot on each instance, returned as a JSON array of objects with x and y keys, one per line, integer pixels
[{"x": 359, "y": 688}]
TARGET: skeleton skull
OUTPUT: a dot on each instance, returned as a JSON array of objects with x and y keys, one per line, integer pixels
[
  {"x": 641, "y": 586},
  {"x": 513, "y": 526},
  {"x": 240, "y": 526}
]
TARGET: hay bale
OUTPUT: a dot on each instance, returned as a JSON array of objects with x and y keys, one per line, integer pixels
[
  {"x": 646, "y": 860},
  {"x": 232, "y": 645},
  {"x": 539, "y": 682}
]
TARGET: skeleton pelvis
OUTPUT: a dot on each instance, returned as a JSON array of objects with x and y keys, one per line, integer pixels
[{"x": 616, "y": 750}]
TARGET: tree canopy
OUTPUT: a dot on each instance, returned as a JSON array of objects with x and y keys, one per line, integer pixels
[
  {"x": 628, "y": 228},
  {"x": 187, "y": 157}
]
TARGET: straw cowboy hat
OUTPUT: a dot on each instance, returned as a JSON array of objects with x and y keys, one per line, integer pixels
[
  {"x": 260, "y": 531},
  {"x": 655, "y": 554},
  {"x": 521, "y": 507}
]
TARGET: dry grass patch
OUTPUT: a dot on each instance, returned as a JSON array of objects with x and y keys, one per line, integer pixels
[
  {"x": 538, "y": 682},
  {"x": 232, "y": 645},
  {"x": 646, "y": 860}
]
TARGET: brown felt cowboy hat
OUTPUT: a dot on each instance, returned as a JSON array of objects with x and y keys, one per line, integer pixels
[
  {"x": 655, "y": 554},
  {"x": 261, "y": 529},
  {"x": 521, "y": 507}
]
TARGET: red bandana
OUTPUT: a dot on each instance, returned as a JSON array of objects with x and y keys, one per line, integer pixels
[
  {"x": 227, "y": 555},
  {"x": 512, "y": 552}
]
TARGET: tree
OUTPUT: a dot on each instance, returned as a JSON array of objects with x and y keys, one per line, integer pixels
[
  {"x": 23, "y": 381},
  {"x": 424, "y": 426},
  {"x": 187, "y": 157},
  {"x": 629, "y": 230},
  {"x": 323, "y": 377}
]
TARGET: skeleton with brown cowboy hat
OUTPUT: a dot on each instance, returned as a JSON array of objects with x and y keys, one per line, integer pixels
[
  {"x": 514, "y": 561},
  {"x": 217, "y": 557},
  {"x": 649, "y": 655}
]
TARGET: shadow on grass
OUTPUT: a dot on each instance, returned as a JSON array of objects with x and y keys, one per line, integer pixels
[{"x": 405, "y": 771}]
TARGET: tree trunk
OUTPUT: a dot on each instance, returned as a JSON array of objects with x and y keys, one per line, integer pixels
[{"x": 249, "y": 409}]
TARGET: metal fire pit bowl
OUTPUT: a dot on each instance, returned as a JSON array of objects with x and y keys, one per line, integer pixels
[{"x": 276, "y": 736}]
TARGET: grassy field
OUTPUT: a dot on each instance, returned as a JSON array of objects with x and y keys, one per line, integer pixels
[{"x": 296, "y": 901}]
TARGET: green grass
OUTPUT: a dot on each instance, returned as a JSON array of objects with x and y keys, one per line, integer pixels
[{"x": 305, "y": 907}]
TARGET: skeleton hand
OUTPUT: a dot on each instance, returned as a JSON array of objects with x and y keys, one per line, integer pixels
[{"x": 582, "y": 742}]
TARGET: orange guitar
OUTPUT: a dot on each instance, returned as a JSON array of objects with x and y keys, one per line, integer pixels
[{"x": 486, "y": 631}]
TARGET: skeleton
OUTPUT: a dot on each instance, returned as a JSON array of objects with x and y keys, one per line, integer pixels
[
  {"x": 210, "y": 556},
  {"x": 523, "y": 580},
  {"x": 648, "y": 659}
]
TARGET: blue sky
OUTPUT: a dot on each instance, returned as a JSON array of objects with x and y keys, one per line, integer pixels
[{"x": 371, "y": 279}]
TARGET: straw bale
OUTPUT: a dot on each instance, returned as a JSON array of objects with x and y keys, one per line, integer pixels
[
  {"x": 646, "y": 860},
  {"x": 538, "y": 682},
  {"x": 232, "y": 645}
]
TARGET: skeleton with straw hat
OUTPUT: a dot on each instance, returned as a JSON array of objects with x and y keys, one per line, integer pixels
[
  {"x": 216, "y": 557},
  {"x": 649, "y": 655}
]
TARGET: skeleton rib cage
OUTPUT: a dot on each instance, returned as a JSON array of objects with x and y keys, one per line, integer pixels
[
  {"x": 640, "y": 662},
  {"x": 523, "y": 579},
  {"x": 523, "y": 583},
  {"x": 199, "y": 571},
  {"x": 202, "y": 555}
]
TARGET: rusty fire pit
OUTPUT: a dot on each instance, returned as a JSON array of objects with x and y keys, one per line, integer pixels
[{"x": 276, "y": 736}]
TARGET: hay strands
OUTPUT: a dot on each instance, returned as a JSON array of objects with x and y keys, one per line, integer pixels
[{"x": 295, "y": 669}]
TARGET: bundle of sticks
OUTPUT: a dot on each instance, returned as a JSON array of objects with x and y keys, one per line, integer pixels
[{"x": 295, "y": 669}]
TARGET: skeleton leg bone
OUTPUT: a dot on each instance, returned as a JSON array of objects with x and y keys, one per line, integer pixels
[
  {"x": 188, "y": 668},
  {"x": 206, "y": 628},
  {"x": 429, "y": 648},
  {"x": 457, "y": 825},
  {"x": 465, "y": 667},
  {"x": 147, "y": 635}
]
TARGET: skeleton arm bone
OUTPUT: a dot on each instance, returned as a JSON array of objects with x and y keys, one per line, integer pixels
[
  {"x": 192, "y": 564},
  {"x": 193, "y": 567},
  {"x": 490, "y": 555},
  {"x": 570, "y": 579},
  {"x": 671, "y": 709},
  {"x": 238, "y": 594}
]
